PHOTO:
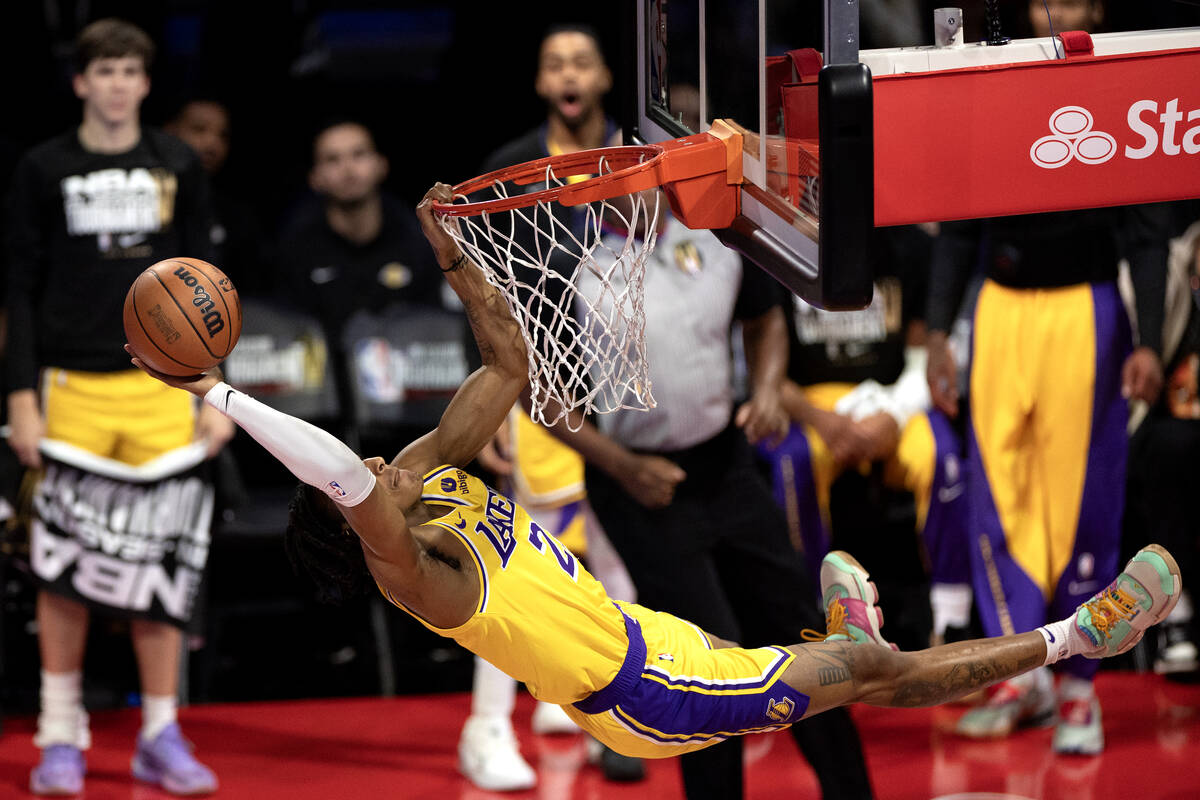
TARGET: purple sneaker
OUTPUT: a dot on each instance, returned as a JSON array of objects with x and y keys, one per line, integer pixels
[
  {"x": 61, "y": 771},
  {"x": 168, "y": 762}
]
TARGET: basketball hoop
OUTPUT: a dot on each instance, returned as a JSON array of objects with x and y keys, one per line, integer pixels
[{"x": 574, "y": 281}]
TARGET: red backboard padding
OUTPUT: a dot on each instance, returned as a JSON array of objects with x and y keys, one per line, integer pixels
[{"x": 979, "y": 142}]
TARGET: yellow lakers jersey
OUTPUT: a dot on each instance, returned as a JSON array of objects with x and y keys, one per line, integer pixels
[{"x": 541, "y": 618}]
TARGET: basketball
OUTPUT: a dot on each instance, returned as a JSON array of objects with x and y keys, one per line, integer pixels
[{"x": 182, "y": 316}]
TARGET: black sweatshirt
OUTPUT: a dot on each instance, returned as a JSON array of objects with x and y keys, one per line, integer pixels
[
  {"x": 81, "y": 227},
  {"x": 1051, "y": 250}
]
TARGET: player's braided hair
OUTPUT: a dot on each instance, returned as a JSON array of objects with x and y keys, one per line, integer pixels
[{"x": 320, "y": 546}]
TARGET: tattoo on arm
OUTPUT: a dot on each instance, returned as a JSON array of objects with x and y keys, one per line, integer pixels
[
  {"x": 827, "y": 676},
  {"x": 833, "y": 666},
  {"x": 486, "y": 351},
  {"x": 959, "y": 680}
]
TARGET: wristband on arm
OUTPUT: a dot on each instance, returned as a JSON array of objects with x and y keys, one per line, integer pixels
[{"x": 314, "y": 456}]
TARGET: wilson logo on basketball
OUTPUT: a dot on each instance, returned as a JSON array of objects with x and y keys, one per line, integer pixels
[
  {"x": 1072, "y": 137},
  {"x": 212, "y": 318}
]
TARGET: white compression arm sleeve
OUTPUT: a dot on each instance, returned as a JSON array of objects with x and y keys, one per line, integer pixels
[{"x": 314, "y": 456}]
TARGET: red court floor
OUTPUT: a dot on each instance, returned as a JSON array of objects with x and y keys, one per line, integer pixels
[{"x": 404, "y": 748}]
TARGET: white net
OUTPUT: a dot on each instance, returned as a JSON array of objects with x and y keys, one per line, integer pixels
[{"x": 573, "y": 278}]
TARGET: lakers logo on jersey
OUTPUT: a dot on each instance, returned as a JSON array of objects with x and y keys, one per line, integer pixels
[{"x": 780, "y": 710}]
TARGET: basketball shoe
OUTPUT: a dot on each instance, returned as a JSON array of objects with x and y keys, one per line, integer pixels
[
  {"x": 489, "y": 757},
  {"x": 1079, "y": 730},
  {"x": 1116, "y": 618},
  {"x": 1024, "y": 701},
  {"x": 167, "y": 760},
  {"x": 60, "y": 771},
  {"x": 849, "y": 597}
]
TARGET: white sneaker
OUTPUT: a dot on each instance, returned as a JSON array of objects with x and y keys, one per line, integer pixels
[
  {"x": 549, "y": 718},
  {"x": 489, "y": 757}
]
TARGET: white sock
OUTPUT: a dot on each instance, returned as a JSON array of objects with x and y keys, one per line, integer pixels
[
  {"x": 493, "y": 694},
  {"x": 1063, "y": 640},
  {"x": 158, "y": 711},
  {"x": 63, "y": 719},
  {"x": 1072, "y": 688},
  {"x": 951, "y": 604}
]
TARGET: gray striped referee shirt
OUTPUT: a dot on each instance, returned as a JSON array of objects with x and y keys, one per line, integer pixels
[{"x": 694, "y": 289}]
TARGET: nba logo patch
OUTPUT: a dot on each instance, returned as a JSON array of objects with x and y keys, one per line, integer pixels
[
  {"x": 449, "y": 485},
  {"x": 780, "y": 710},
  {"x": 334, "y": 489}
]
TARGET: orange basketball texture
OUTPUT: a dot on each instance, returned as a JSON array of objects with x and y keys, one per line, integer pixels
[{"x": 182, "y": 316}]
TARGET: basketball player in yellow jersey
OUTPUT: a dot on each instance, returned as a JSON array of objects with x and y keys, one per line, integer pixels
[{"x": 469, "y": 564}]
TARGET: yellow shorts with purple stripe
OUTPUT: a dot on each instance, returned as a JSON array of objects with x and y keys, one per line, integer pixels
[
  {"x": 126, "y": 416},
  {"x": 676, "y": 693}
]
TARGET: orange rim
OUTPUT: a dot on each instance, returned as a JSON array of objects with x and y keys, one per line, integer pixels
[{"x": 634, "y": 168}]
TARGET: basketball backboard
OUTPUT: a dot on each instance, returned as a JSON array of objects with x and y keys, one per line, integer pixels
[
  {"x": 836, "y": 141},
  {"x": 805, "y": 120}
]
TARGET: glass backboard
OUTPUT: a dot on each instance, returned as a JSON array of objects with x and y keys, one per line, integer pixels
[{"x": 787, "y": 77}]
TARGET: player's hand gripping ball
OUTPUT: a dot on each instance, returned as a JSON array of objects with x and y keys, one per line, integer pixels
[{"x": 182, "y": 316}]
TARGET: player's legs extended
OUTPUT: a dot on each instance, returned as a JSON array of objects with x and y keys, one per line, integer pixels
[{"x": 839, "y": 673}]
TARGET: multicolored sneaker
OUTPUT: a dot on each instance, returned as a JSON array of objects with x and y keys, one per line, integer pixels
[
  {"x": 1079, "y": 730},
  {"x": 1116, "y": 618},
  {"x": 849, "y": 597},
  {"x": 167, "y": 760},
  {"x": 1024, "y": 701},
  {"x": 60, "y": 772}
]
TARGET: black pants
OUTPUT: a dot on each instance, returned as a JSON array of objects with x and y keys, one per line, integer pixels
[
  {"x": 719, "y": 556},
  {"x": 1164, "y": 471}
]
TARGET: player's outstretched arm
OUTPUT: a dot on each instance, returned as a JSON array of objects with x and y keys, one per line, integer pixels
[
  {"x": 317, "y": 458},
  {"x": 483, "y": 401}
]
